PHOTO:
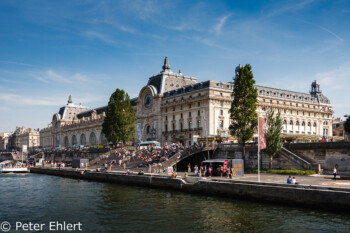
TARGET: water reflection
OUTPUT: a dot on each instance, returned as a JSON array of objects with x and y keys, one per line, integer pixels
[{"x": 103, "y": 207}]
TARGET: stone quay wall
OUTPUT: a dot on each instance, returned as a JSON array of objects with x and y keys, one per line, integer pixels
[
  {"x": 302, "y": 195},
  {"x": 329, "y": 154}
]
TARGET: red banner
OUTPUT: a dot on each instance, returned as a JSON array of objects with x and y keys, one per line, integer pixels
[
  {"x": 225, "y": 166},
  {"x": 262, "y": 138}
]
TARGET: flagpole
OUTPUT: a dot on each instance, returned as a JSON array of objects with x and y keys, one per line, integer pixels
[{"x": 258, "y": 148}]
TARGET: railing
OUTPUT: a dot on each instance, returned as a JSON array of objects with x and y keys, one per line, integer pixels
[{"x": 295, "y": 158}]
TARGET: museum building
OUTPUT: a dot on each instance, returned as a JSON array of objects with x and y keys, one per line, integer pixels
[{"x": 173, "y": 107}]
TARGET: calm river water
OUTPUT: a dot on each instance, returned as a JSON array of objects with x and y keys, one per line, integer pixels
[{"x": 102, "y": 207}]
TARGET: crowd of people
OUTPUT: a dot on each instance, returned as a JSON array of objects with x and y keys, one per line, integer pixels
[
  {"x": 211, "y": 170},
  {"x": 150, "y": 156}
]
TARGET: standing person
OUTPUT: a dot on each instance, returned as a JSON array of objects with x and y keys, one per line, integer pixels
[
  {"x": 335, "y": 173},
  {"x": 189, "y": 167},
  {"x": 210, "y": 169}
]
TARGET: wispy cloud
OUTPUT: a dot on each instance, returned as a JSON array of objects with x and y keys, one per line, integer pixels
[
  {"x": 19, "y": 100},
  {"x": 329, "y": 31},
  {"x": 97, "y": 35},
  {"x": 50, "y": 76},
  {"x": 324, "y": 29},
  {"x": 336, "y": 79},
  {"x": 218, "y": 27},
  {"x": 292, "y": 7},
  {"x": 17, "y": 63}
]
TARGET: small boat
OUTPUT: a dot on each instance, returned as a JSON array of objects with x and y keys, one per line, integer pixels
[
  {"x": 8, "y": 167},
  {"x": 14, "y": 170}
]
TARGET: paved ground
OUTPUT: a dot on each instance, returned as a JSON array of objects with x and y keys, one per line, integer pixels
[{"x": 314, "y": 180}]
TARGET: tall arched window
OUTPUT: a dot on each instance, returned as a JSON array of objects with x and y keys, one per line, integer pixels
[
  {"x": 297, "y": 126},
  {"x": 83, "y": 139},
  {"x": 92, "y": 139},
  {"x": 303, "y": 127},
  {"x": 74, "y": 140},
  {"x": 314, "y": 128},
  {"x": 66, "y": 141},
  {"x": 291, "y": 126}
]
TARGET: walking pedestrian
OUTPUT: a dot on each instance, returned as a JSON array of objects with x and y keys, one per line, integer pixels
[{"x": 334, "y": 173}]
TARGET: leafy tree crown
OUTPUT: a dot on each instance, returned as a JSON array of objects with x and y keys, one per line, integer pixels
[
  {"x": 119, "y": 122},
  {"x": 243, "y": 108}
]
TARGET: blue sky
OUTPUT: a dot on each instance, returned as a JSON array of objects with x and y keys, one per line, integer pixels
[{"x": 51, "y": 49}]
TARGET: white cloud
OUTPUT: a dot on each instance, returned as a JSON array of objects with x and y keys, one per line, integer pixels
[
  {"x": 294, "y": 6},
  {"x": 336, "y": 79},
  {"x": 222, "y": 21},
  {"x": 17, "y": 63},
  {"x": 97, "y": 35},
  {"x": 50, "y": 76},
  {"x": 19, "y": 100}
]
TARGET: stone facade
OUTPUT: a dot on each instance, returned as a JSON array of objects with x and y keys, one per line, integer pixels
[
  {"x": 21, "y": 137},
  {"x": 173, "y": 107},
  {"x": 74, "y": 125},
  {"x": 177, "y": 108},
  {"x": 338, "y": 128},
  {"x": 4, "y": 140}
]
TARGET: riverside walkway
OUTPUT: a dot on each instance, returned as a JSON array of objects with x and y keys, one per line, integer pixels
[{"x": 302, "y": 180}]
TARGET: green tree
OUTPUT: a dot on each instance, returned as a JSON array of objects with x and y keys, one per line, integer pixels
[
  {"x": 347, "y": 124},
  {"x": 119, "y": 122},
  {"x": 243, "y": 107},
  {"x": 274, "y": 126}
]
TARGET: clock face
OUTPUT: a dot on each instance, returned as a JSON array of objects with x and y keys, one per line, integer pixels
[{"x": 148, "y": 100}]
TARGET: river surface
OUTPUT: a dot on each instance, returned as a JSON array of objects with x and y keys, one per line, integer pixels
[{"x": 103, "y": 207}]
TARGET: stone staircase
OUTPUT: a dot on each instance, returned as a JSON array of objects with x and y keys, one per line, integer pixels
[
  {"x": 295, "y": 159},
  {"x": 101, "y": 157}
]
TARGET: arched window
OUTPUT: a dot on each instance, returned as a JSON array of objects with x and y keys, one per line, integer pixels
[
  {"x": 284, "y": 125},
  {"x": 148, "y": 129},
  {"x": 74, "y": 140},
  {"x": 291, "y": 122},
  {"x": 66, "y": 141},
  {"x": 92, "y": 139},
  {"x": 83, "y": 139}
]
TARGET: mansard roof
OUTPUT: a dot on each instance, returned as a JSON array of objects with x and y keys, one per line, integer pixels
[
  {"x": 187, "y": 89},
  {"x": 292, "y": 95},
  {"x": 99, "y": 110}
]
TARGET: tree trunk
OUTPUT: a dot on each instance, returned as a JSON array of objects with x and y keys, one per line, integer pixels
[
  {"x": 243, "y": 151},
  {"x": 271, "y": 158}
]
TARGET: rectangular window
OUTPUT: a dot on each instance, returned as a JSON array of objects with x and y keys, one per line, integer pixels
[
  {"x": 199, "y": 104},
  {"x": 221, "y": 112},
  {"x": 189, "y": 114},
  {"x": 199, "y": 112},
  {"x": 221, "y": 124}
]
